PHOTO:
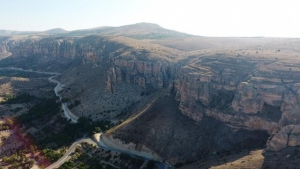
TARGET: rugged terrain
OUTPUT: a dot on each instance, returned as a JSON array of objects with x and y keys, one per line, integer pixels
[{"x": 213, "y": 95}]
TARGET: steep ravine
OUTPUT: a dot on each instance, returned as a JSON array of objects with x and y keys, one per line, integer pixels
[{"x": 237, "y": 93}]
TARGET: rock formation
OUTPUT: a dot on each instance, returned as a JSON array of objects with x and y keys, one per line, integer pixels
[
  {"x": 287, "y": 136},
  {"x": 146, "y": 74}
]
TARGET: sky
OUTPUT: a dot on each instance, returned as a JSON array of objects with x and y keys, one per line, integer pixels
[{"x": 217, "y": 18}]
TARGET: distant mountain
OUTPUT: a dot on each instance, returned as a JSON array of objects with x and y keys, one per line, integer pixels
[
  {"x": 144, "y": 31},
  {"x": 136, "y": 31},
  {"x": 56, "y": 31},
  {"x": 50, "y": 31},
  {"x": 92, "y": 31},
  {"x": 11, "y": 32}
]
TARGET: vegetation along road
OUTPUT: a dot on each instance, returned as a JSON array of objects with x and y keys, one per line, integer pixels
[{"x": 68, "y": 114}]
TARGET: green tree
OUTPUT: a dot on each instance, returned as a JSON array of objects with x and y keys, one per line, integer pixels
[
  {"x": 97, "y": 130},
  {"x": 5, "y": 158}
]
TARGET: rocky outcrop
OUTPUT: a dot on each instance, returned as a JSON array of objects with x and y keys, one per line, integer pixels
[
  {"x": 257, "y": 91},
  {"x": 111, "y": 80},
  {"x": 3, "y": 48},
  {"x": 287, "y": 136}
]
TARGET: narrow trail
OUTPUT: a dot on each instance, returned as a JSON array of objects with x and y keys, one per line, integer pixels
[{"x": 142, "y": 111}]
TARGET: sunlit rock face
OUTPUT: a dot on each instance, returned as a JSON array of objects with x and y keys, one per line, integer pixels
[
  {"x": 141, "y": 73},
  {"x": 92, "y": 48},
  {"x": 287, "y": 136},
  {"x": 98, "y": 50}
]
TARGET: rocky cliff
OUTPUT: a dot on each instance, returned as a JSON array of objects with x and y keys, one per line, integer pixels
[
  {"x": 3, "y": 48},
  {"x": 243, "y": 93},
  {"x": 112, "y": 70},
  {"x": 127, "y": 63},
  {"x": 146, "y": 74},
  {"x": 90, "y": 48},
  {"x": 288, "y": 136}
]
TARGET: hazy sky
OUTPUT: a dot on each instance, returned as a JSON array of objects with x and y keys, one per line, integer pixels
[{"x": 276, "y": 18}]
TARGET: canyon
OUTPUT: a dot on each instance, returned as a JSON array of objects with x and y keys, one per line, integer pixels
[{"x": 214, "y": 95}]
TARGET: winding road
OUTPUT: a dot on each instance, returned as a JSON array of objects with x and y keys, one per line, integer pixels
[
  {"x": 99, "y": 142},
  {"x": 59, "y": 87},
  {"x": 105, "y": 144},
  {"x": 67, "y": 156}
]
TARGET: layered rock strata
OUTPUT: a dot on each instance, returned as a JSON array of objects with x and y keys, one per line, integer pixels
[
  {"x": 146, "y": 74},
  {"x": 242, "y": 93}
]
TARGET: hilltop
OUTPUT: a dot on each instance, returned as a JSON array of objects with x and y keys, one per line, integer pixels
[{"x": 137, "y": 31}]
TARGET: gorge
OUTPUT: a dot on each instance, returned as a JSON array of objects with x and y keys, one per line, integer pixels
[{"x": 213, "y": 95}]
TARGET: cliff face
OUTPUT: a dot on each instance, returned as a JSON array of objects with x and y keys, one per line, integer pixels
[
  {"x": 127, "y": 64},
  {"x": 3, "y": 48},
  {"x": 240, "y": 92},
  {"x": 288, "y": 136},
  {"x": 58, "y": 53},
  {"x": 146, "y": 74},
  {"x": 91, "y": 47}
]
